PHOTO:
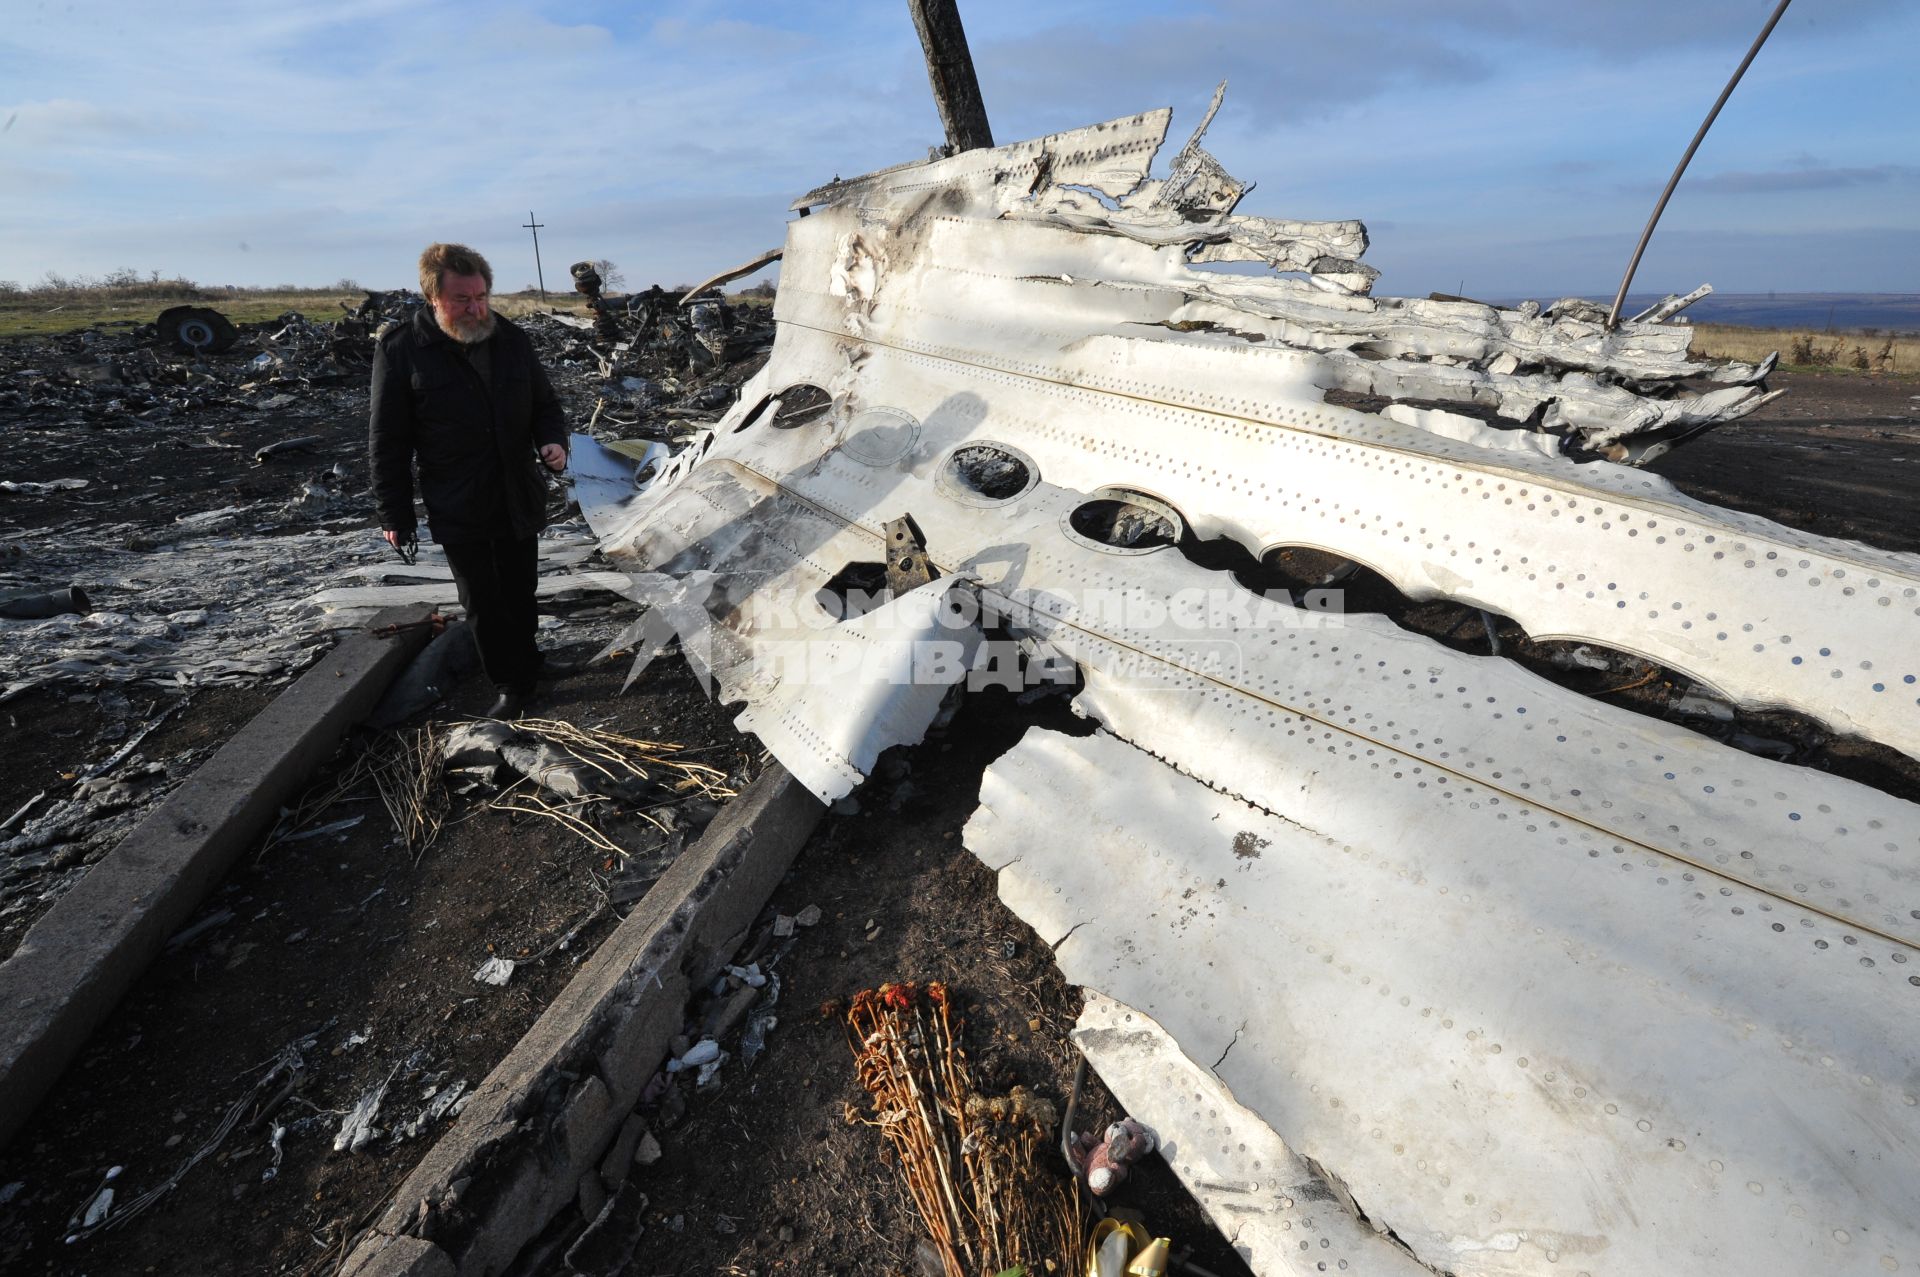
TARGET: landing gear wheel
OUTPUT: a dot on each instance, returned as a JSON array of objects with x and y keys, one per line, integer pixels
[{"x": 196, "y": 330}]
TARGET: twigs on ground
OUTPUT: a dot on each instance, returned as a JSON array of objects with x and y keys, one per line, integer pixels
[
  {"x": 973, "y": 1164},
  {"x": 629, "y": 758},
  {"x": 309, "y": 805},
  {"x": 531, "y": 804},
  {"x": 406, "y": 770},
  {"x": 625, "y": 762}
]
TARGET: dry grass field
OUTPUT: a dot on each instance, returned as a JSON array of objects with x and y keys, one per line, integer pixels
[
  {"x": 41, "y": 311},
  {"x": 1865, "y": 351},
  {"x": 38, "y": 313}
]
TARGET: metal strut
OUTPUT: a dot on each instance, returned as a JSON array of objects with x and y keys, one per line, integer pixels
[{"x": 1619, "y": 298}]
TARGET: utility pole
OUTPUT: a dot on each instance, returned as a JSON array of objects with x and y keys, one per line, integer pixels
[
  {"x": 956, "y": 90},
  {"x": 538, "y": 274}
]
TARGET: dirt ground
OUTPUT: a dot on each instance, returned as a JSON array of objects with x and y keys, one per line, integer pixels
[
  {"x": 1838, "y": 454},
  {"x": 347, "y": 943}
]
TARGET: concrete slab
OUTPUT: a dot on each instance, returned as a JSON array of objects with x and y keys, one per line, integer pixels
[
  {"x": 75, "y": 964},
  {"x": 406, "y": 1257},
  {"x": 514, "y": 1158}
]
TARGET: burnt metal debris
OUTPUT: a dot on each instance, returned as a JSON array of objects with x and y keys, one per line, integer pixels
[
  {"x": 650, "y": 334},
  {"x": 587, "y": 282},
  {"x": 36, "y": 605}
]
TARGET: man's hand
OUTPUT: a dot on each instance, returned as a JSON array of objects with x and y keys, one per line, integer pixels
[
  {"x": 554, "y": 455},
  {"x": 393, "y": 538}
]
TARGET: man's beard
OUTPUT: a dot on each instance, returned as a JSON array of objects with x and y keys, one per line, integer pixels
[{"x": 465, "y": 329}]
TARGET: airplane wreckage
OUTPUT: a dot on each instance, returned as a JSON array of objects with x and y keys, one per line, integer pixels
[{"x": 1416, "y": 961}]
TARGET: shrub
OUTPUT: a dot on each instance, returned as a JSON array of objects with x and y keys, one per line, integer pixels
[{"x": 1806, "y": 349}]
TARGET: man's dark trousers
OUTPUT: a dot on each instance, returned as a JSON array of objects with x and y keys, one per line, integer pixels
[{"x": 496, "y": 579}]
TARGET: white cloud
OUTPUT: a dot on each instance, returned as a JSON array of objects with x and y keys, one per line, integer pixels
[{"x": 60, "y": 122}]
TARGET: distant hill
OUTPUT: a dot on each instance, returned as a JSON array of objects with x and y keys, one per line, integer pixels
[{"x": 1840, "y": 312}]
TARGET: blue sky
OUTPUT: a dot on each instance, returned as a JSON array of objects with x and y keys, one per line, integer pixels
[{"x": 1499, "y": 147}]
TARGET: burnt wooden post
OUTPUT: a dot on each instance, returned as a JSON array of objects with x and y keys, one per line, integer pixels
[{"x": 956, "y": 90}]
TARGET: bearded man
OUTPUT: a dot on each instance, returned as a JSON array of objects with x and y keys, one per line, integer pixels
[{"x": 458, "y": 391}]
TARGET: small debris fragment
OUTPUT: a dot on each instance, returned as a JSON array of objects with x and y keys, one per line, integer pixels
[
  {"x": 749, "y": 976},
  {"x": 1697, "y": 703},
  {"x": 97, "y": 1210},
  {"x": 808, "y": 917},
  {"x": 358, "y": 1129},
  {"x": 439, "y": 1105},
  {"x": 495, "y": 971},
  {"x": 181, "y": 939},
  {"x": 1581, "y": 657},
  {"x": 754, "y": 1039},
  {"x": 338, "y": 826},
  {"x": 305, "y": 443},
  {"x": 273, "y": 1146},
  {"x": 702, "y": 1053}
]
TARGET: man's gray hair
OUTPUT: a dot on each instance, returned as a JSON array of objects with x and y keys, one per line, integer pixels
[{"x": 457, "y": 258}]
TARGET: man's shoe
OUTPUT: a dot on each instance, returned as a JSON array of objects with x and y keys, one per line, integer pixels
[
  {"x": 510, "y": 704},
  {"x": 552, "y": 669}
]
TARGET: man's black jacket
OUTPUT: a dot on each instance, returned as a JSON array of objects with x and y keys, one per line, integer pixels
[{"x": 479, "y": 473}]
